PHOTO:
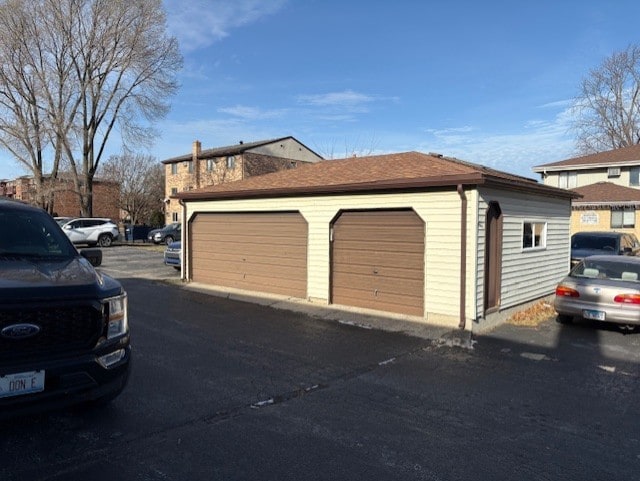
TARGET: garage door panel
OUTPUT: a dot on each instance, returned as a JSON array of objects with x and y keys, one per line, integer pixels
[
  {"x": 243, "y": 250},
  {"x": 409, "y": 287},
  {"x": 374, "y": 259},
  {"x": 377, "y": 261},
  {"x": 397, "y": 273},
  {"x": 251, "y": 260},
  {"x": 265, "y": 252},
  {"x": 383, "y": 302},
  {"x": 377, "y": 245},
  {"x": 254, "y": 282},
  {"x": 265, "y": 269}
]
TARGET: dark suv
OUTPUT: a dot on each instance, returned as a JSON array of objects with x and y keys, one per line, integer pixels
[
  {"x": 64, "y": 333},
  {"x": 585, "y": 244},
  {"x": 166, "y": 235}
]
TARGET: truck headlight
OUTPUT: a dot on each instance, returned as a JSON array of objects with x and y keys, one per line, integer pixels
[{"x": 117, "y": 316}]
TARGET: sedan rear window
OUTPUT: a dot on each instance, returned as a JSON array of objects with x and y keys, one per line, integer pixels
[{"x": 602, "y": 269}]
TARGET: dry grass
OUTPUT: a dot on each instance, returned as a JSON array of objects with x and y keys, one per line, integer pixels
[{"x": 533, "y": 315}]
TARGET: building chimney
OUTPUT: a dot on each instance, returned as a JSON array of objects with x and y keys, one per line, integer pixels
[
  {"x": 196, "y": 149},
  {"x": 241, "y": 142}
]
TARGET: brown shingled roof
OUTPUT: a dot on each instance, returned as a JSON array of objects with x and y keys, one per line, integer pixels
[
  {"x": 607, "y": 193},
  {"x": 401, "y": 171},
  {"x": 234, "y": 149},
  {"x": 611, "y": 157}
]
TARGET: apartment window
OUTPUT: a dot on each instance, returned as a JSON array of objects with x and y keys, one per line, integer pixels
[
  {"x": 174, "y": 190},
  {"x": 568, "y": 180},
  {"x": 534, "y": 235},
  {"x": 174, "y": 169},
  {"x": 625, "y": 217},
  {"x": 211, "y": 165},
  {"x": 190, "y": 166},
  {"x": 634, "y": 176},
  {"x": 231, "y": 162},
  {"x": 174, "y": 217}
]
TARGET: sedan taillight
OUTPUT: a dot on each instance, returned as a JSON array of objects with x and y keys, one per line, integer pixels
[
  {"x": 564, "y": 291},
  {"x": 627, "y": 298}
]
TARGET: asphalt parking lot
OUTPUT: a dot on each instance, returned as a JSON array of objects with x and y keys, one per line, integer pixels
[{"x": 233, "y": 390}]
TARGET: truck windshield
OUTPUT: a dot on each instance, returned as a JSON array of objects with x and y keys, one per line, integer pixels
[{"x": 32, "y": 234}]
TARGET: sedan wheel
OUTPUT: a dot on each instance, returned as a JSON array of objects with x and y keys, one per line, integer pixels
[
  {"x": 168, "y": 240},
  {"x": 105, "y": 240}
]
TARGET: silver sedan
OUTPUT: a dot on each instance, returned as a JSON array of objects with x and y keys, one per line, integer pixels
[{"x": 601, "y": 288}]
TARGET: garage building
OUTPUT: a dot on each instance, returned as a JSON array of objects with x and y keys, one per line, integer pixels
[{"x": 423, "y": 236}]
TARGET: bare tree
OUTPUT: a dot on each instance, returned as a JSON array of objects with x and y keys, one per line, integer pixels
[
  {"x": 87, "y": 70},
  {"x": 351, "y": 148},
  {"x": 141, "y": 180},
  {"x": 30, "y": 66},
  {"x": 607, "y": 108}
]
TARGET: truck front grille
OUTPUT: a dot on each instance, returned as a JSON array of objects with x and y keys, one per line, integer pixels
[{"x": 63, "y": 328}]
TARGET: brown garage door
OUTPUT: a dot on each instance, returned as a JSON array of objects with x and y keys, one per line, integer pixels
[
  {"x": 264, "y": 252},
  {"x": 377, "y": 261}
]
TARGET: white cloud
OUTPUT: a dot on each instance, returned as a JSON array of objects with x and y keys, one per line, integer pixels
[
  {"x": 539, "y": 142},
  {"x": 200, "y": 23},
  {"x": 251, "y": 113},
  {"x": 346, "y": 98}
]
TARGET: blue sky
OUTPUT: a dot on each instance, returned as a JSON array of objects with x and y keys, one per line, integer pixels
[{"x": 488, "y": 82}]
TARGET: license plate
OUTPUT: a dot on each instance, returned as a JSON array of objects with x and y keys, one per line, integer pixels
[
  {"x": 595, "y": 315},
  {"x": 21, "y": 383}
]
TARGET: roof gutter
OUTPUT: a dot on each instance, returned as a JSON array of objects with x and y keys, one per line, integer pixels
[{"x": 463, "y": 255}]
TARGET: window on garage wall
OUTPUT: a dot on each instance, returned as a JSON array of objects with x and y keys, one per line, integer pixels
[
  {"x": 623, "y": 217},
  {"x": 534, "y": 235}
]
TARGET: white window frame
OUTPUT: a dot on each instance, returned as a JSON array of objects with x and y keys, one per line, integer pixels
[
  {"x": 174, "y": 169},
  {"x": 529, "y": 241},
  {"x": 231, "y": 162},
  {"x": 568, "y": 180},
  {"x": 627, "y": 218},
  {"x": 211, "y": 165}
]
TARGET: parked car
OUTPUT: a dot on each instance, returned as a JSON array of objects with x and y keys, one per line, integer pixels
[
  {"x": 166, "y": 235},
  {"x": 602, "y": 288},
  {"x": 64, "y": 333},
  {"x": 173, "y": 255},
  {"x": 584, "y": 244},
  {"x": 91, "y": 231},
  {"x": 63, "y": 220}
]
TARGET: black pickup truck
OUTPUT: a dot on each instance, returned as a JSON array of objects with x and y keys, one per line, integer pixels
[{"x": 64, "y": 332}]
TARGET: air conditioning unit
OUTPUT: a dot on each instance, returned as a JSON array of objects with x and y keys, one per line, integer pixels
[{"x": 613, "y": 172}]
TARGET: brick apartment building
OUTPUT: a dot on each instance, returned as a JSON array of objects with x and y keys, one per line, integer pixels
[
  {"x": 202, "y": 168},
  {"x": 66, "y": 202}
]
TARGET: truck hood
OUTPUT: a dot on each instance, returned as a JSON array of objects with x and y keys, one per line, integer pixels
[{"x": 38, "y": 279}]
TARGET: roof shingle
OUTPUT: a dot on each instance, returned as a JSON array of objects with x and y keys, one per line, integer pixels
[
  {"x": 606, "y": 193},
  {"x": 408, "y": 170},
  {"x": 622, "y": 155}
]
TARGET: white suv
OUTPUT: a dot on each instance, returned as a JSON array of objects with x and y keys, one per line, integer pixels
[{"x": 91, "y": 231}]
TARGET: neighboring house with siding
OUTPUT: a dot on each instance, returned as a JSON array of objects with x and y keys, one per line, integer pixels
[
  {"x": 619, "y": 166},
  {"x": 203, "y": 168},
  {"x": 605, "y": 206},
  {"x": 422, "y": 236}
]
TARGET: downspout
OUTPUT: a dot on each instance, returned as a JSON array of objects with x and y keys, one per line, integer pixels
[
  {"x": 463, "y": 255},
  {"x": 183, "y": 238}
]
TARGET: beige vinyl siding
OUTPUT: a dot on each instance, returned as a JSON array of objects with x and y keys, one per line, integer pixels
[
  {"x": 439, "y": 210},
  {"x": 288, "y": 149},
  {"x": 526, "y": 274},
  {"x": 591, "y": 176}
]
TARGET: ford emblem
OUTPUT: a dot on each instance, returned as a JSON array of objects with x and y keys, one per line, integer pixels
[{"x": 20, "y": 331}]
